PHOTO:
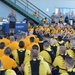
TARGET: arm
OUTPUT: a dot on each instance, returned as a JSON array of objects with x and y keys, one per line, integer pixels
[
  {"x": 15, "y": 17},
  {"x": 9, "y": 15}
]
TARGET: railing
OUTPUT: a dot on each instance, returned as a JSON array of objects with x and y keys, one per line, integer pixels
[{"x": 30, "y": 8}]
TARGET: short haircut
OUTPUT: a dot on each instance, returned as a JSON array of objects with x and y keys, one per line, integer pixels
[
  {"x": 23, "y": 35},
  {"x": 35, "y": 47},
  {"x": 63, "y": 49},
  {"x": 69, "y": 60},
  {"x": 7, "y": 51},
  {"x": 46, "y": 43},
  {"x": 21, "y": 44},
  {"x": 59, "y": 38},
  {"x": 6, "y": 35},
  {"x": 0, "y": 63},
  {"x": 54, "y": 41},
  {"x": 2, "y": 45},
  {"x": 34, "y": 54},
  {"x": 12, "y": 38},
  {"x": 31, "y": 39},
  {"x": 72, "y": 44}
]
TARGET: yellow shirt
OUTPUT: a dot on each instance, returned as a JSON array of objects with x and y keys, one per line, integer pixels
[
  {"x": 14, "y": 45},
  {"x": 30, "y": 46},
  {"x": 60, "y": 19},
  {"x": 6, "y": 41},
  {"x": 70, "y": 53},
  {"x": 46, "y": 56},
  {"x": 27, "y": 40},
  {"x": 67, "y": 45},
  {"x": 1, "y": 52},
  {"x": 10, "y": 72},
  {"x": 35, "y": 15},
  {"x": 44, "y": 20},
  {"x": 36, "y": 40},
  {"x": 16, "y": 57},
  {"x": 69, "y": 70},
  {"x": 59, "y": 61},
  {"x": 8, "y": 63},
  {"x": 60, "y": 43},
  {"x": 44, "y": 68}
]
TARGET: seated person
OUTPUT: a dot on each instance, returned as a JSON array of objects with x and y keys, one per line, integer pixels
[
  {"x": 35, "y": 15},
  {"x": 47, "y": 53},
  {"x": 61, "y": 19},
  {"x": 59, "y": 60},
  {"x": 71, "y": 50},
  {"x": 8, "y": 63},
  {"x": 32, "y": 42},
  {"x": 36, "y": 66},
  {"x": 60, "y": 41},
  {"x": 21, "y": 55},
  {"x": 14, "y": 44},
  {"x": 6, "y": 72},
  {"x": 69, "y": 63},
  {"x": 5, "y": 39},
  {"x": 44, "y": 20}
]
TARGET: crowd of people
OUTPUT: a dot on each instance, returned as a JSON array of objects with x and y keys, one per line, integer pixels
[
  {"x": 56, "y": 19},
  {"x": 46, "y": 50}
]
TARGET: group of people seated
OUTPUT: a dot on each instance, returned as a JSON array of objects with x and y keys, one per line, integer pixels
[
  {"x": 53, "y": 18},
  {"x": 46, "y": 50},
  {"x": 36, "y": 15}
]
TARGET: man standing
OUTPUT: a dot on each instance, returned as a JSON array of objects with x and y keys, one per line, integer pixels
[{"x": 12, "y": 21}]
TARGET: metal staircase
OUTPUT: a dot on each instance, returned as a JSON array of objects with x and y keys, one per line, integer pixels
[{"x": 27, "y": 9}]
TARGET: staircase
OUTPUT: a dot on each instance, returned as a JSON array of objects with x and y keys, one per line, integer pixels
[{"x": 27, "y": 9}]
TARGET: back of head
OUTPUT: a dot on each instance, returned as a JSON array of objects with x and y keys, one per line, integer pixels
[
  {"x": 35, "y": 47},
  {"x": 12, "y": 38},
  {"x": 46, "y": 44},
  {"x": 2, "y": 45},
  {"x": 31, "y": 39},
  {"x": 69, "y": 61},
  {"x": 34, "y": 54},
  {"x": 6, "y": 35},
  {"x": 21, "y": 44},
  {"x": 23, "y": 35},
  {"x": 53, "y": 42},
  {"x": 59, "y": 38},
  {"x": 72, "y": 44},
  {"x": 7, "y": 51},
  {"x": 62, "y": 50}
]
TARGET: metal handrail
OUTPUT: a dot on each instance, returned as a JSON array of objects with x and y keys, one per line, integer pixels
[
  {"x": 29, "y": 8},
  {"x": 38, "y": 8},
  {"x": 32, "y": 7}
]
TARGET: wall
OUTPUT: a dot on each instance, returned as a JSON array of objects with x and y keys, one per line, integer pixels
[
  {"x": 42, "y": 4},
  {"x": 5, "y": 10},
  {"x": 52, "y": 4}
]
